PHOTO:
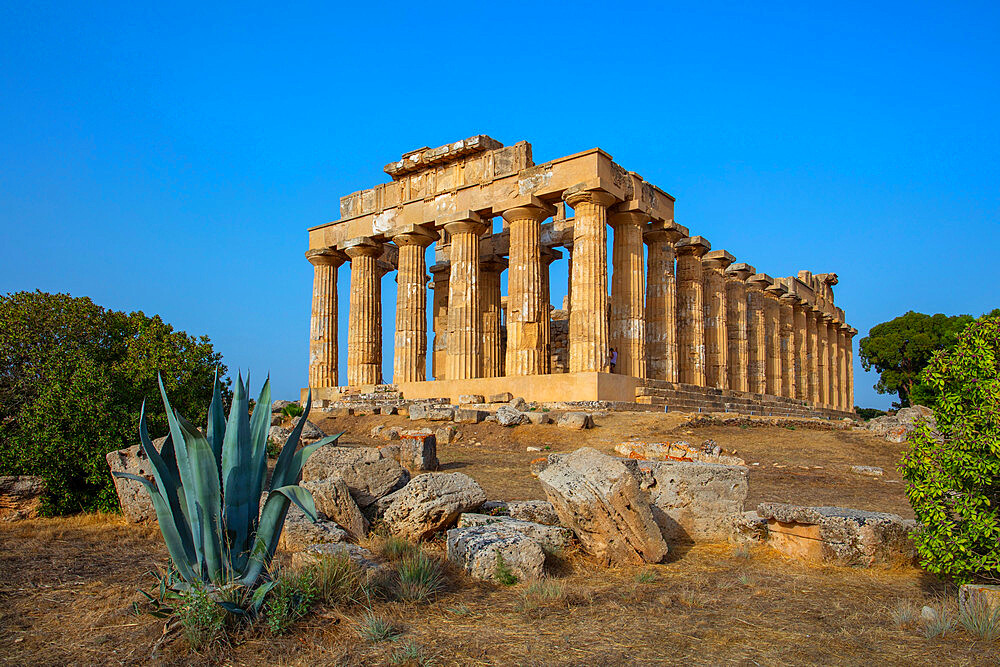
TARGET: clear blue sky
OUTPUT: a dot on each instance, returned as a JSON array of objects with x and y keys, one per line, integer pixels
[{"x": 169, "y": 157}]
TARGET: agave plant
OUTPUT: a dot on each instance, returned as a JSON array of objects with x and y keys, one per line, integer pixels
[{"x": 206, "y": 488}]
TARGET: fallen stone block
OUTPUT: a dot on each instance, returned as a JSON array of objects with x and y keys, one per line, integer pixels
[
  {"x": 575, "y": 420},
  {"x": 838, "y": 534},
  {"x": 676, "y": 451},
  {"x": 310, "y": 432},
  {"x": 418, "y": 451},
  {"x": 339, "y": 412},
  {"x": 133, "y": 496},
  {"x": 334, "y": 502},
  {"x": 971, "y": 596},
  {"x": 466, "y": 399},
  {"x": 386, "y": 410},
  {"x": 446, "y": 434},
  {"x": 21, "y": 496},
  {"x": 537, "y": 511},
  {"x": 300, "y": 532},
  {"x": 539, "y": 417},
  {"x": 599, "y": 499},
  {"x": 509, "y": 416},
  {"x": 518, "y": 404},
  {"x": 358, "y": 555},
  {"x": 440, "y": 413},
  {"x": 502, "y": 397},
  {"x": 368, "y": 473},
  {"x": 748, "y": 527},
  {"x": 693, "y": 501},
  {"x": 479, "y": 551},
  {"x": 278, "y": 406},
  {"x": 417, "y": 411},
  {"x": 469, "y": 416},
  {"x": 432, "y": 502},
  {"x": 552, "y": 539}
]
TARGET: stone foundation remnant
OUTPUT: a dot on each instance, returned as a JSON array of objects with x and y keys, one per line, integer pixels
[{"x": 693, "y": 328}]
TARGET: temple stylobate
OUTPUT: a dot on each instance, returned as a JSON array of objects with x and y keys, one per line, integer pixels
[{"x": 686, "y": 326}]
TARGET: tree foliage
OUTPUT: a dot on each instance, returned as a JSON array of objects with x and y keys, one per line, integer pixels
[
  {"x": 73, "y": 376},
  {"x": 954, "y": 484},
  {"x": 901, "y": 348}
]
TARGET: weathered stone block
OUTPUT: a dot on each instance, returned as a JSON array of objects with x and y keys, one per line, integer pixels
[
  {"x": 334, "y": 502},
  {"x": 478, "y": 549},
  {"x": 359, "y": 555},
  {"x": 446, "y": 434},
  {"x": 502, "y": 397},
  {"x": 539, "y": 417},
  {"x": 369, "y": 473},
  {"x": 440, "y": 413},
  {"x": 575, "y": 420},
  {"x": 133, "y": 496},
  {"x": 300, "y": 532},
  {"x": 418, "y": 451},
  {"x": 466, "y": 399},
  {"x": 21, "y": 496},
  {"x": 972, "y": 595},
  {"x": 469, "y": 416},
  {"x": 431, "y": 502},
  {"x": 552, "y": 539},
  {"x": 509, "y": 416}
]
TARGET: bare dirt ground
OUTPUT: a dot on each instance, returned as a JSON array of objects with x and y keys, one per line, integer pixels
[{"x": 67, "y": 585}]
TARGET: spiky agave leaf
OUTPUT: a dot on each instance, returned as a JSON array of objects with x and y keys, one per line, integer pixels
[
  {"x": 272, "y": 520},
  {"x": 238, "y": 469},
  {"x": 216, "y": 420}
]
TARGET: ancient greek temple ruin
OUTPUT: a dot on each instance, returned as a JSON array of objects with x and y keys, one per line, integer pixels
[{"x": 691, "y": 326}]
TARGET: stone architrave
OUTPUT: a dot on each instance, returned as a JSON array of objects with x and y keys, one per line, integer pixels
[
  {"x": 628, "y": 307},
  {"x": 737, "y": 325},
  {"x": 526, "y": 311},
  {"x": 588, "y": 319},
  {"x": 789, "y": 378},
  {"x": 364, "y": 328},
  {"x": 757, "y": 331},
  {"x": 690, "y": 309},
  {"x": 661, "y": 300},
  {"x": 323, "y": 322},
  {"x": 801, "y": 349},
  {"x": 833, "y": 338},
  {"x": 439, "y": 315},
  {"x": 714, "y": 265},
  {"x": 490, "y": 268},
  {"x": 409, "y": 362},
  {"x": 772, "y": 337},
  {"x": 465, "y": 322}
]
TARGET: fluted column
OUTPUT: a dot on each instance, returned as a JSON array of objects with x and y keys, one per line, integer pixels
[
  {"x": 690, "y": 309},
  {"x": 789, "y": 377},
  {"x": 364, "y": 329},
  {"x": 628, "y": 298},
  {"x": 737, "y": 325},
  {"x": 851, "y": 333},
  {"x": 490, "y": 269},
  {"x": 439, "y": 315},
  {"x": 801, "y": 344},
  {"x": 549, "y": 255},
  {"x": 526, "y": 353},
  {"x": 409, "y": 363},
  {"x": 757, "y": 332},
  {"x": 588, "y": 319},
  {"x": 833, "y": 336},
  {"x": 323, "y": 321},
  {"x": 772, "y": 338},
  {"x": 842, "y": 344},
  {"x": 714, "y": 265},
  {"x": 465, "y": 322},
  {"x": 661, "y": 300},
  {"x": 823, "y": 358},
  {"x": 812, "y": 340}
]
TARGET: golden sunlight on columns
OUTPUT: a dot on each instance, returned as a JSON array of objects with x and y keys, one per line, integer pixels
[
  {"x": 833, "y": 338},
  {"x": 526, "y": 352},
  {"x": 772, "y": 337},
  {"x": 737, "y": 325},
  {"x": 439, "y": 316},
  {"x": 409, "y": 363},
  {"x": 364, "y": 328},
  {"x": 661, "y": 300},
  {"x": 323, "y": 322},
  {"x": 789, "y": 378},
  {"x": 464, "y": 308},
  {"x": 851, "y": 333},
  {"x": 690, "y": 309},
  {"x": 588, "y": 320},
  {"x": 628, "y": 298},
  {"x": 757, "y": 332},
  {"x": 812, "y": 342},
  {"x": 549, "y": 255},
  {"x": 714, "y": 265},
  {"x": 801, "y": 344},
  {"x": 490, "y": 268},
  {"x": 823, "y": 358}
]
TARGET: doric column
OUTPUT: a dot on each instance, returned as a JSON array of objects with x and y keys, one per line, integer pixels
[
  {"x": 439, "y": 315},
  {"x": 823, "y": 358},
  {"x": 323, "y": 322},
  {"x": 364, "y": 328},
  {"x": 851, "y": 333},
  {"x": 812, "y": 341},
  {"x": 801, "y": 338},
  {"x": 690, "y": 309},
  {"x": 714, "y": 265},
  {"x": 409, "y": 362},
  {"x": 526, "y": 316},
  {"x": 833, "y": 338},
  {"x": 549, "y": 255},
  {"x": 789, "y": 376},
  {"x": 842, "y": 345},
  {"x": 465, "y": 322},
  {"x": 772, "y": 337},
  {"x": 737, "y": 325},
  {"x": 490, "y": 268},
  {"x": 588, "y": 319},
  {"x": 628, "y": 288},
  {"x": 757, "y": 331},
  {"x": 661, "y": 300}
]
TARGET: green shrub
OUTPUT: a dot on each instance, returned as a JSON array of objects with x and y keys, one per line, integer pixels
[
  {"x": 502, "y": 573},
  {"x": 954, "y": 485},
  {"x": 420, "y": 577},
  {"x": 202, "y": 619},
  {"x": 292, "y": 410},
  {"x": 374, "y": 629},
  {"x": 72, "y": 378},
  {"x": 868, "y": 413},
  {"x": 289, "y": 600}
]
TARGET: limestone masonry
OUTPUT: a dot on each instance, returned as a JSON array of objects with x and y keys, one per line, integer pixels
[{"x": 692, "y": 329}]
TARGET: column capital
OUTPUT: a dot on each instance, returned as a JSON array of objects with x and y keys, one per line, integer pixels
[
  {"x": 465, "y": 222},
  {"x": 550, "y": 255},
  {"x": 619, "y": 218},
  {"x": 776, "y": 289},
  {"x": 759, "y": 281},
  {"x": 664, "y": 230},
  {"x": 326, "y": 257},
  {"x": 739, "y": 271},
  {"x": 363, "y": 246},
  {"x": 718, "y": 259},
  {"x": 413, "y": 235},
  {"x": 583, "y": 192},
  {"x": 492, "y": 263},
  {"x": 525, "y": 207},
  {"x": 692, "y": 245}
]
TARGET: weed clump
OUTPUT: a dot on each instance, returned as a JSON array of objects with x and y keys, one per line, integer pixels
[
  {"x": 289, "y": 600},
  {"x": 420, "y": 577},
  {"x": 374, "y": 629},
  {"x": 502, "y": 573},
  {"x": 980, "y": 619},
  {"x": 202, "y": 619}
]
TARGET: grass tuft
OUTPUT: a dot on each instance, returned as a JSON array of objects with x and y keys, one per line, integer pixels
[
  {"x": 409, "y": 653},
  {"x": 420, "y": 577},
  {"x": 546, "y": 590},
  {"x": 904, "y": 614},
  {"x": 742, "y": 552},
  {"x": 980, "y": 618},
  {"x": 374, "y": 629},
  {"x": 395, "y": 548},
  {"x": 645, "y": 577},
  {"x": 336, "y": 579},
  {"x": 941, "y": 624}
]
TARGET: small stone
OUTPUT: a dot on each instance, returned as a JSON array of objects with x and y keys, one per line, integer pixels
[
  {"x": 575, "y": 420},
  {"x": 446, "y": 434},
  {"x": 276, "y": 419},
  {"x": 377, "y": 430},
  {"x": 928, "y": 614},
  {"x": 530, "y": 448},
  {"x": 868, "y": 471}
]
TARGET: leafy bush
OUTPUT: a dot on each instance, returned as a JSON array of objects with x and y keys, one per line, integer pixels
[
  {"x": 868, "y": 413},
  {"x": 202, "y": 618},
  {"x": 954, "y": 485},
  {"x": 289, "y": 600},
  {"x": 72, "y": 377},
  {"x": 292, "y": 410},
  {"x": 420, "y": 577}
]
